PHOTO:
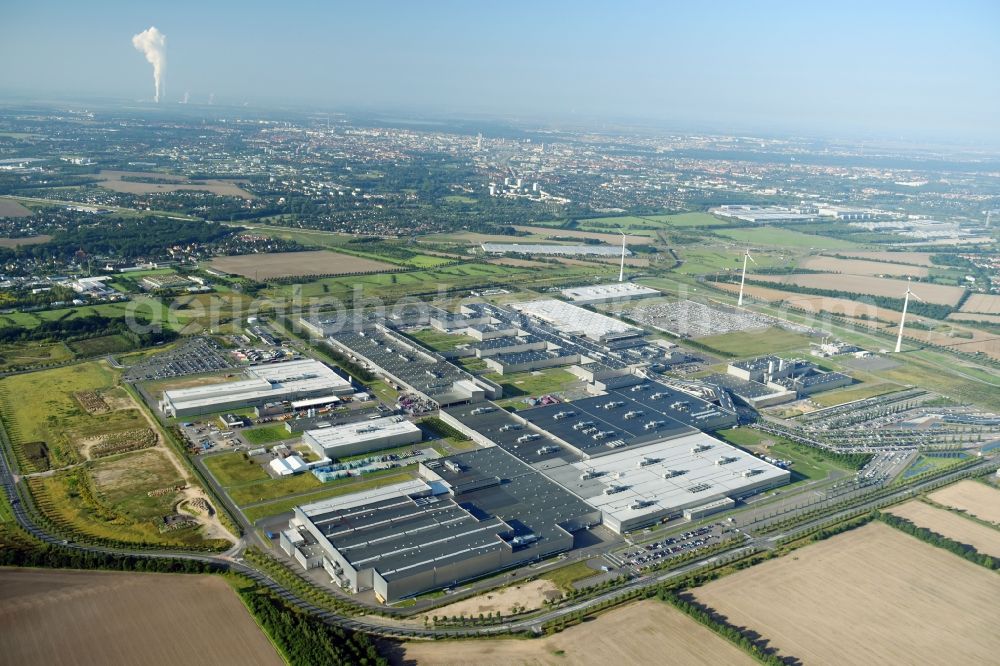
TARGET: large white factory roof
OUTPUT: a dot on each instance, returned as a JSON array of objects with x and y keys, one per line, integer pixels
[
  {"x": 608, "y": 292},
  {"x": 268, "y": 382},
  {"x": 570, "y": 318},
  {"x": 672, "y": 475},
  {"x": 351, "y": 500},
  {"x": 354, "y": 433}
]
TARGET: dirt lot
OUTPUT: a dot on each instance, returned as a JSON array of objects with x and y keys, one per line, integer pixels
[
  {"x": 982, "y": 538},
  {"x": 984, "y": 303},
  {"x": 857, "y": 284},
  {"x": 112, "y": 180},
  {"x": 285, "y": 264},
  {"x": 914, "y": 258},
  {"x": 85, "y": 617},
  {"x": 860, "y": 267},
  {"x": 11, "y": 208},
  {"x": 647, "y": 632},
  {"x": 974, "y": 498},
  {"x": 529, "y": 596},
  {"x": 872, "y": 595}
]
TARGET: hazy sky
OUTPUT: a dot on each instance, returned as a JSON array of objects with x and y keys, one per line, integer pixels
[{"x": 892, "y": 68}]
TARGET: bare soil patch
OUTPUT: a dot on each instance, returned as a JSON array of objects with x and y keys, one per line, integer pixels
[
  {"x": 11, "y": 208},
  {"x": 974, "y": 498},
  {"x": 528, "y": 596},
  {"x": 289, "y": 264},
  {"x": 647, "y": 632},
  {"x": 872, "y": 595},
  {"x": 115, "y": 181},
  {"x": 857, "y": 284},
  {"x": 861, "y": 267},
  {"x": 982, "y": 538},
  {"x": 85, "y": 617}
]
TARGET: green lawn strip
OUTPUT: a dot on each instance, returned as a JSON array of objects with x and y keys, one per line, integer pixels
[{"x": 367, "y": 482}]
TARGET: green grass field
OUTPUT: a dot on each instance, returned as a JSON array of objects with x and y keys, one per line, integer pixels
[
  {"x": 267, "y": 434},
  {"x": 231, "y": 469},
  {"x": 852, "y": 393},
  {"x": 440, "y": 341},
  {"x": 771, "y": 237},
  {"x": 565, "y": 576},
  {"x": 755, "y": 343},
  {"x": 637, "y": 224},
  {"x": 332, "y": 489},
  {"x": 805, "y": 466},
  {"x": 535, "y": 383},
  {"x": 28, "y": 354},
  {"x": 106, "y": 344},
  {"x": 41, "y": 407}
]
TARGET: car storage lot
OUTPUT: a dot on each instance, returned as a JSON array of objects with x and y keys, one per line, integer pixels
[{"x": 900, "y": 600}]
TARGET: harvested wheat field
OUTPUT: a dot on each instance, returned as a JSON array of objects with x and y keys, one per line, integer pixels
[
  {"x": 858, "y": 284},
  {"x": 152, "y": 183},
  {"x": 914, "y": 258},
  {"x": 647, "y": 632},
  {"x": 295, "y": 264},
  {"x": 976, "y": 499},
  {"x": 528, "y": 596},
  {"x": 860, "y": 267},
  {"x": 813, "y": 304},
  {"x": 973, "y": 317},
  {"x": 982, "y": 538},
  {"x": 55, "y": 617},
  {"x": 27, "y": 240},
  {"x": 870, "y": 596},
  {"x": 555, "y": 232},
  {"x": 983, "y": 303}
]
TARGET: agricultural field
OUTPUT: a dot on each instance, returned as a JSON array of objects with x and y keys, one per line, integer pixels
[
  {"x": 857, "y": 284},
  {"x": 12, "y": 208},
  {"x": 657, "y": 634},
  {"x": 861, "y": 267},
  {"x": 116, "y": 181},
  {"x": 982, "y": 303},
  {"x": 982, "y": 538},
  {"x": 294, "y": 264},
  {"x": 812, "y": 304},
  {"x": 973, "y": 498},
  {"x": 27, "y": 240},
  {"x": 106, "y": 344},
  {"x": 58, "y": 618},
  {"x": 913, "y": 258},
  {"x": 756, "y": 343},
  {"x": 27, "y": 354},
  {"x": 771, "y": 237},
  {"x": 547, "y": 233},
  {"x": 802, "y": 603}
]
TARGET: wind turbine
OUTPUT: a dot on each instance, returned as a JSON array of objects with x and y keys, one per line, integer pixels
[
  {"x": 621, "y": 272},
  {"x": 902, "y": 320},
  {"x": 746, "y": 256}
]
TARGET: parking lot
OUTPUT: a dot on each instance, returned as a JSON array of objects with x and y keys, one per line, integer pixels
[
  {"x": 651, "y": 554},
  {"x": 189, "y": 358}
]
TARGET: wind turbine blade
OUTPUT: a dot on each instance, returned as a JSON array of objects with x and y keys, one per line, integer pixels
[
  {"x": 751, "y": 258},
  {"x": 917, "y": 297}
]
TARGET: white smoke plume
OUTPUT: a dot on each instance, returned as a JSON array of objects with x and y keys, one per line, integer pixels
[{"x": 153, "y": 44}]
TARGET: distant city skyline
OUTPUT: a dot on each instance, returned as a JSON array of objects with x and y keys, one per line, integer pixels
[{"x": 910, "y": 70}]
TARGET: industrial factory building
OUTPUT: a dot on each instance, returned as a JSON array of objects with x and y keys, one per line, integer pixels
[
  {"x": 602, "y": 293},
  {"x": 354, "y": 438},
  {"x": 262, "y": 384},
  {"x": 469, "y": 515}
]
